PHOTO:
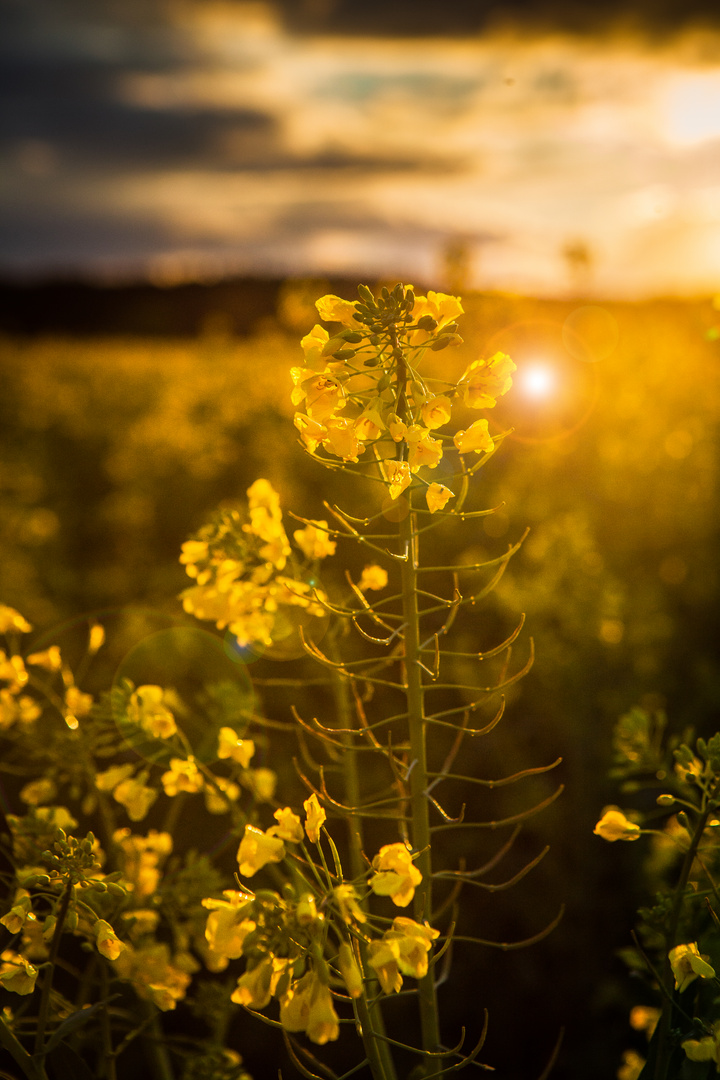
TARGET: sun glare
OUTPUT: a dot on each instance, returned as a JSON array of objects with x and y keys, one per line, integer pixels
[{"x": 538, "y": 380}]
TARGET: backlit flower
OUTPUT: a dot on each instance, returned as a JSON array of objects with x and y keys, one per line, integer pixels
[
  {"x": 315, "y": 818},
  {"x": 423, "y": 449},
  {"x": 228, "y": 923},
  {"x": 312, "y": 433},
  {"x": 135, "y": 795},
  {"x": 477, "y": 438},
  {"x": 183, "y": 775},
  {"x": 334, "y": 309},
  {"x": 613, "y": 825},
  {"x": 413, "y": 941},
  {"x": 308, "y": 1007},
  {"x": 347, "y": 901},
  {"x": 341, "y": 439},
  {"x": 436, "y": 412},
  {"x": 16, "y": 973},
  {"x": 395, "y": 874},
  {"x": 147, "y": 709},
  {"x": 107, "y": 941},
  {"x": 437, "y": 495},
  {"x": 398, "y": 476},
  {"x": 383, "y": 959},
  {"x": 485, "y": 381},
  {"x": 289, "y": 827},
  {"x": 257, "y": 849},
  {"x": 687, "y": 964},
  {"x": 50, "y": 659}
]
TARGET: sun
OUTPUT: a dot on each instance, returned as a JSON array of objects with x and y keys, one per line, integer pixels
[{"x": 537, "y": 380}]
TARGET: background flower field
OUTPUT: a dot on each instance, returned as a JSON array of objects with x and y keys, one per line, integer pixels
[{"x": 115, "y": 449}]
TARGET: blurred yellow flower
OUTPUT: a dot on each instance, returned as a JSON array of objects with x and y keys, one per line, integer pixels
[
  {"x": 230, "y": 746},
  {"x": 315, "y": 818},
  {"x": 50, "y": 659},
  {"x": 183, "y": 775},
  {"x": 10, "y": 619},
  {"x": 264, "y": 782},
  {"x": 227, "y": 924},
  {"x": 311, "y": 432},
  {"x": 314, "y": 540},
  {"x": 383, "y": 959},
  {"x": 255, "y": 986},
  {"x": 135, "y": 796},
  {"x": 437, "y": 495},
  {"x": 350, "y": 970},
  {"x": 705, "y": 1049},
  {"x": 146, "y": 708},
  {"x": 395, "y": 874},
  {"x": 347, "y": 901},
  {"x": 373, "y": 577},
  {"x": 413, "y": 941},
  {"x": 289, "y": 827},
  {"x": 613, "y": 825},
  {"x": 313, "y": 346}
]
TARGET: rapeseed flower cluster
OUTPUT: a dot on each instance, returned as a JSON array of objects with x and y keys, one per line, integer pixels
[
  {"x": 247, "y": 577},
  {"x": 361, "y": 389}
]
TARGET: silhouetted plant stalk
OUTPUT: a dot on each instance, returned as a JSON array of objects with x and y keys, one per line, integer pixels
[{"x": 325, "y": 941}]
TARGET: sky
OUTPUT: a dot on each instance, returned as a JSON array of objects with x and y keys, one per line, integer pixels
[{"x": 193, "y": 140}]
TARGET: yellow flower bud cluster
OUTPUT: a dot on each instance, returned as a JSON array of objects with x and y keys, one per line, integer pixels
[
  {"x": 361, "y": 387},
  {"x": 246, "y": 576}
]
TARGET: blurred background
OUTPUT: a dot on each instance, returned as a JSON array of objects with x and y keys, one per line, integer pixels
[{"x": 181, "y": 180}]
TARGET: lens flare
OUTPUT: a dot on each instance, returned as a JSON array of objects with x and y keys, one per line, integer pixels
[{"x": 538, "y": 380}]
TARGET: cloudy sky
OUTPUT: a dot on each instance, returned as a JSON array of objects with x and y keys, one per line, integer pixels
[{"x": 190, "y": 140}]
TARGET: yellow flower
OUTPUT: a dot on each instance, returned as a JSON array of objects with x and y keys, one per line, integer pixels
[
  {"x": 110, "y": 778},
  {"x": 135, "y": 796},
  {"x": 308, "y": 1007},
  {"x": 10, "y": 619},
  {"x": 373, "y": 577},
  {"x": 256, "y": 986},
  {"x": 396, "y": 427},
  {"x": 311, "y": 432},
  {"x": 705, "y": 1049},
  {"x": 146, "y": 708},
  {"x": 264, "y": 782},
  {"x": 383, "y": 958},
  {"x": 341, "y": 439},
  {"x": 437, "y": 495},
  {"x": 436, "y": 412},
  {"x": 12, "y": 671},
  {"x": 413, "y": 942},
  {"x": 257, "y": 849},
  {"x": 395, "y": 875},
  {"x": 349, "y": 969},
  {"x": 477, "y": 438},
  {"x": 306, "y": 911},
  {"x": 96, "y": 638},
  {"x": 332, "y": 308},
  {"x": 16, "y": 973},
  {"x": 218, "y": 797},
  {"x": 350, "y": 910},
  {"x": 368, "y": 426},
  {"x": 107, "y": 941},
  {"x": 78, "y": 704},
  {"x": 644, "y": 1018},
  {"x": 39, "y": 791},
  {"x": 632, "y": 1066},
  {"x": 14, "y": 920},
  {"x": 227, "y": 924},
  {"x": 613, "y": 825},
  {"x": 230, "y": 746},
  {"x": 183, "y": 775},
  {"x": 313, "y": 346},
  {"x": 14, "y": 708},
  {"x": 423, "y": 449},
  {"x": 314, "y": 540},
  {"x": 153, "y": 975},
  {"x": 289, "y": 827},
  {"x": 398, "y": 477},
  {"x": 485, "y": 381},
  {"x": 50, "y": 659},
  {"x": 687, "y": 964},
  {"x": 315, "y": 817},
  {"x": 323, "y": 397}
]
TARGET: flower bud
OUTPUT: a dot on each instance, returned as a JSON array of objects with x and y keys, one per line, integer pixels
[{"x": 666, "y": 800}]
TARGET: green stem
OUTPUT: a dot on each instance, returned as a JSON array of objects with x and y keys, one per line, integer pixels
[
  {"x": 665, "y": 1022},
  {"x": 44, "y": 1009},
  {"x": 32, "y": 1069},
  {"x": 418, "y": 775}
]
